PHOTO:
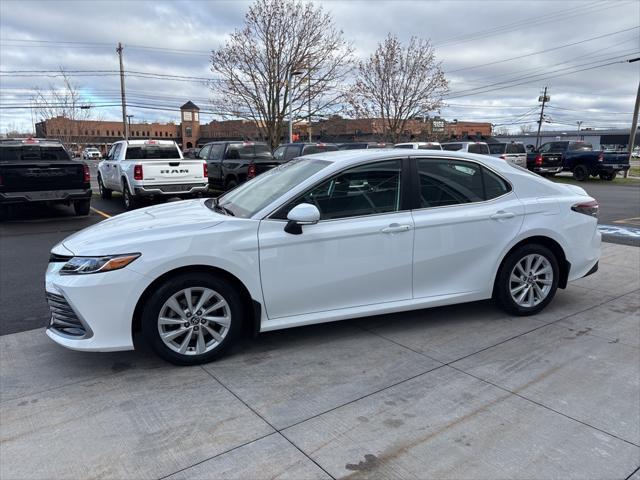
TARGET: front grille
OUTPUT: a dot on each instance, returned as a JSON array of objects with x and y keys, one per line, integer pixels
[{"x": 63, "y": 319}]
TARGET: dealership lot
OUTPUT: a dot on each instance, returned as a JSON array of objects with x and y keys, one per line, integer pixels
[{"x": 453, "y": 392}]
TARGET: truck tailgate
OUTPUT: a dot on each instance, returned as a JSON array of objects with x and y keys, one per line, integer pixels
[
  {"x": 179, "y": 171},
  {"x": 32, "y": 177},
  {"x": 552, "y": 159}
]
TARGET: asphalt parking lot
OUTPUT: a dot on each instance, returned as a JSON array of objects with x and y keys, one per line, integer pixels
[{"x": 455, "y": 392}]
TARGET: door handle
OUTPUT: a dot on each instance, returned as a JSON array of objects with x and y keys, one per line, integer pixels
[
  {"x": 502, "y": 214},
  {"x": 395, "y": 228}
]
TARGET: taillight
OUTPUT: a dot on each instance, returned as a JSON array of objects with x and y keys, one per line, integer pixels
[
  {"x": 587, "y": 208},
  {"x": 538, "y": 160},
  {"x": 251, "y": 171},
  {"x": 205, "y": 170},
  {"x": 137, "y": 172},
  {"x": 601, "y": 157},
  {"x": 86, "y": 178},
  {"x": 503, "y": 157}
]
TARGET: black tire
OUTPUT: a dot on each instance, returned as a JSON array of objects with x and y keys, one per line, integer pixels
[
  {"x": 231, "y": 184},
  {"x": 129, "y": 200},
  {"x": 4, "y": 213},
  {"x": 608, "y": 176},
  {"x": 105, "y": 193},
  {"x": 580, "y": 173},
  {"x": 502, "y": 290},
  {"x": 82, "y": 207},
  {"x": 154, "y": 305}
]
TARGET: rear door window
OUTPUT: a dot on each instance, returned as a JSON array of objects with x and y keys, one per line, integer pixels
[
  {"x": 217, "y": 150},
  {"x": 309, "y": 149},
  {"x": 454, "y": 182},
  {"x": 291, "y": 152}
]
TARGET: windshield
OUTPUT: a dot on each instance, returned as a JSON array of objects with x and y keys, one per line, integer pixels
[
  {"x": 496, "y": 148},
  {"x": 32, "y": 153},
  {"x": 252, "y": 196}
]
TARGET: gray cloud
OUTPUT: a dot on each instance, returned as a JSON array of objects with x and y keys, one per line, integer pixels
[{"x": 466, "y": 34}]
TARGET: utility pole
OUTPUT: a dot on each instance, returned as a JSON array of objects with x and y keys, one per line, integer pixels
[
  {"x": 309, "y": 74},
  {"x": 634, "y": 123},
  {"x": 125, "y": 127},
  {"x": 544, "y": 99}
]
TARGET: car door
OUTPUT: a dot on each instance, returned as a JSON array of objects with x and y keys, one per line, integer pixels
[
  {"x": 359, "y": 253},
  {"x": 112, "y": 179},
  {"x": 465, "y": 217},
  {"x": 104, "y": 167}
]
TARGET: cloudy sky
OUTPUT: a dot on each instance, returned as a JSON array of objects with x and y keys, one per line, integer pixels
[{"x": 497, "y": 55}]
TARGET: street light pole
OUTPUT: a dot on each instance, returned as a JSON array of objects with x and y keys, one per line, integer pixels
[
  {"x": 129, "y": 125},
  {"x": 293, "y": 73}
]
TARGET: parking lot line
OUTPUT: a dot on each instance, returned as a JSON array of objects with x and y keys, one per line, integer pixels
[{"x": 100, "y": 212}]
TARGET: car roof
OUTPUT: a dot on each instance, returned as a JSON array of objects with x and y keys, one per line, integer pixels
[
  {"x": 16, "y": 142},
  {"x": 144, "y": 142},
  {"x": 465, "y": 142},
  {"x": 345, "y": 158}
]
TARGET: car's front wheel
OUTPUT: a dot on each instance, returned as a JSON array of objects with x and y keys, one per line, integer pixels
[
  {"x": 192, "y": 318},
  {"x": 528, "y": 280}
]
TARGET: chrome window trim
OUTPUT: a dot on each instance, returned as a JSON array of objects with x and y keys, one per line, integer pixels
[{"x": 339, "y": 172}]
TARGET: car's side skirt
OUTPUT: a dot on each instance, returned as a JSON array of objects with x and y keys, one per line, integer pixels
[{"x": 374, "y": 309}]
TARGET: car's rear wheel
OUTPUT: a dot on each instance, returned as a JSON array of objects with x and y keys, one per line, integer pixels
[
  {"x": 105, "y": 193},
  {"x": 231, "y": 183},
  {"x": 580, "y": 173},
  {"x": 192, "y": 318},
  {"x": 82, "y": 207},
  {"x": 528, "y": 280},
  {"x": 130, "y": 202},
  {"x": 608, "y": 176}
]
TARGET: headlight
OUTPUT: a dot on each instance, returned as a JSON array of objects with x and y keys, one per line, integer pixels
[{"x": 82, "y": 265}]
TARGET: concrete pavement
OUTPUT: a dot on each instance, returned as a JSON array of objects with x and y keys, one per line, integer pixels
[{"x": 456, "y": 392}]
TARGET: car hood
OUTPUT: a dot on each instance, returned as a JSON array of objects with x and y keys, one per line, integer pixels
[{"x": 127, "y": 232}]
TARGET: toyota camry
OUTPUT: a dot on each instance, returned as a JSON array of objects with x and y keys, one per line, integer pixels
[{"x": 325, "y": 237}]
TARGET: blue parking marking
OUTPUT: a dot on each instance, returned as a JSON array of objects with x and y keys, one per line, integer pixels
[{"x": 620, "y": 231}]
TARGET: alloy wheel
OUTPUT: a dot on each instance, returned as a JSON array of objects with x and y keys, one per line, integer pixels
[
  {"x": 194, "y": 321},
  {"x": 531, "y": 280}
]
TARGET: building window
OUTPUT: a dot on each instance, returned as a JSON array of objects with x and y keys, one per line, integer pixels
[
  {"x": 86, "y": 132},
  {"x": 166, "y": 134},
  {"x": 93, "y": 132},
  {"x": 187, "y": 131},
  {"x": 195, "y": 116},
  {"x": 119, "y": 133},
  {"x": 186, "y": 116},
  {"x": 156, "y": 133}
]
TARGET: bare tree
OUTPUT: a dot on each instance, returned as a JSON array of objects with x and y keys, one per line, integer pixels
[
  {"x": 63, "y": 103},
  {"x": 398, "y": 83},
  {"x": 501, "y": 131},
  {"x": 287, "y": 53},
  {"x": 527, "y": 128}
]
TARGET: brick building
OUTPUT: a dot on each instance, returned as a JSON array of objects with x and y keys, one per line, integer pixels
[{"x": 191, "y": 133}]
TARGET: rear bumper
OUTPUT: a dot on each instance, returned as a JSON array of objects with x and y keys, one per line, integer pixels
[
  {"x": 547, "y": 169},
  {"x": 612, "y": 167},
  {"x": 171, "y": 189},
  {"x": 45, "y": 196}
]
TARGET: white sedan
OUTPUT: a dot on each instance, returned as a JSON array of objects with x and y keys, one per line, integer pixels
[{"x": 324, "y": 237}]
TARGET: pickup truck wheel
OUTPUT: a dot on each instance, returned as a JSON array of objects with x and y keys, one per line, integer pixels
[
  {"x": 580, "y": 173},
  {"x": 105, "y": 193},
  {"x": 82, "y": 207},
  {"x": 4, "y": 213},
  {"x": 231, "y": 184},
  {"x": 608, "y": 176},
  {"x": 192, "y": 318},
  {"x": 527, "y": 280},
  {"x": 130, "y": 202}
]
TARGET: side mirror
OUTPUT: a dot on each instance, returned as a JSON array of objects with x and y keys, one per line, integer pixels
[{"x": 303, "y": 214}]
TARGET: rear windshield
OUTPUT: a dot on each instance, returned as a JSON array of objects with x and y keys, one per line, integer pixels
[
  {"x": 496, "y": 148},
  {"x": 403, "y": 146},
  {"x": 310, "y": 149},
  {"x": 452, "y": 146},
  {"x": 478, "y": 148},
  {"x": 515, "y": 148},
  {"x": 149, "y": 152},
  {"x": 429, "y": 147},
  {"x": 29, "y": 153}
]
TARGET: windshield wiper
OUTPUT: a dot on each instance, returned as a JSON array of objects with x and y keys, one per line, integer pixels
[{"x": 222, "y": 208}]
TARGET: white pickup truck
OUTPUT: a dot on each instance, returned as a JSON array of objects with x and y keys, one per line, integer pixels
[{"x": 150, "y": 168}]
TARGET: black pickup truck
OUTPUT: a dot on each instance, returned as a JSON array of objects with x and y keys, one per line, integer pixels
[
  {"x": 577, "y": 157},
  {"x": 234, "y": 162},
  {"x": 41, "y": 170}
]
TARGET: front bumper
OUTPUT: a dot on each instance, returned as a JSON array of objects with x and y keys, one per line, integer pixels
[
  {"x": 45, "y": 196},
  {"x": 171, "y": 189},
  {"x": 103, "y": 304}
]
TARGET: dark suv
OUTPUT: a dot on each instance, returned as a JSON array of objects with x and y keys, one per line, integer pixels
[
  {"x": 233, "y": 162},
  {"x": 287, "y": 151},
  {"x": 363, "y": 145}
]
